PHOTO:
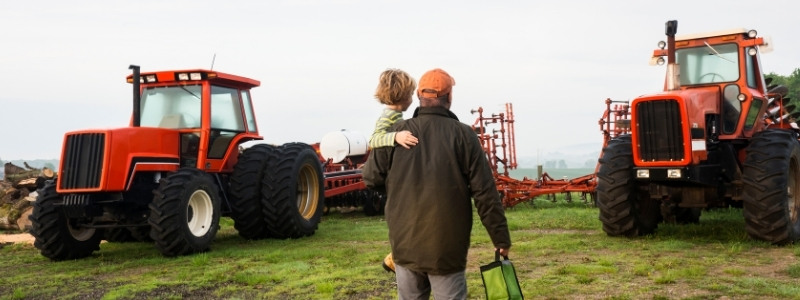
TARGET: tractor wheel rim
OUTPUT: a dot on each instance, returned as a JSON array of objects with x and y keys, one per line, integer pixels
[
  {"x": 307, "y": 193},
  {"x": 199, "y": 213},
  {"x": 80, "y": 234}
]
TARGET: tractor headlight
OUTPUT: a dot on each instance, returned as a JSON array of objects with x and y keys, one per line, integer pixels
[
  {"x": 662, "y": 44},
  {"x": 741, "y": 97},
  {"x": 190, "y": 76},
  {"x": 752, "y": 33},
  {"x": 643, "y": 173},
  {"x": 674, "y": 173}
]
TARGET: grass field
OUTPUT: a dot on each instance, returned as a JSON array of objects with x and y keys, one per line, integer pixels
[{"x": 559, "y": 250}]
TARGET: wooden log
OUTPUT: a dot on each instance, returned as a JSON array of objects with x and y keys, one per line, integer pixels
[
  {"x": 11, "y": 169},
  {"x": 15, "y": 174},
  {"x": 23, "y": 223},
  {"x": 14, "y": 216}
]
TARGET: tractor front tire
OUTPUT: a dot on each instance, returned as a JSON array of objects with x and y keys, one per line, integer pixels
[
  {"x": 293, "y": 192},
  {"x": 246, "y": 208},
  {"x": 56, "y": 236},
  {"x": 624, "y": 210},
  {"x": 771, "y": 192},
  {"x": 185, "y": 212}
]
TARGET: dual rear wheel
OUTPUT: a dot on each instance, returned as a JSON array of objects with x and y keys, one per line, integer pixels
[{"x": 277, "y": 191}]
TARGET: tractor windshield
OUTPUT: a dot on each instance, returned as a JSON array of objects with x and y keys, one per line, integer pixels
[
  {"x": 708, "y": 64},
  {"x": 171, "y": 107}
]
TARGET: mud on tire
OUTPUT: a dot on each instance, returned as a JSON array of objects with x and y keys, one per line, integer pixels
[
  {"x": 246, "y": 208},
  {"x": 624, "y": 210},
  {"x": 292, "y": 192},
  {"x": 56, "y": 236},
  {"x": 184, "y": 215},
  {"x": 771, "y": 192}
]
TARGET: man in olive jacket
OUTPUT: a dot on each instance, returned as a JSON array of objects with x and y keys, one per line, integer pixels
[{"x": 430, "y": 189}]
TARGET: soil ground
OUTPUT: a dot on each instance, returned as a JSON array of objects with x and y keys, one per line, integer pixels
[{"x": 16, "y": 238}]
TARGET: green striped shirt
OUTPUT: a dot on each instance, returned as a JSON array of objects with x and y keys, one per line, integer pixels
[{"x": 381, "y": 137}]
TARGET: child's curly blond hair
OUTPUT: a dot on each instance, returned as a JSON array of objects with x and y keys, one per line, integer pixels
[{"x": 394, "y": 87}]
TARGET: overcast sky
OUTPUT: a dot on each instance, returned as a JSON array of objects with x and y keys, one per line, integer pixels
[{"x": 63, "y": 63}]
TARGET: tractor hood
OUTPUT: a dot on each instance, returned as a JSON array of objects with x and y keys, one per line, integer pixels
[
  {"x": 670, "y": 128},
  {"x": 695, "y": 103},
  {"x": 95, "y": 160}
]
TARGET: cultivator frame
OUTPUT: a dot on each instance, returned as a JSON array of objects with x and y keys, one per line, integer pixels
[{"x": 496, "y": 133}]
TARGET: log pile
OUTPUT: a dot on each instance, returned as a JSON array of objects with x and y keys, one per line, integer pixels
[{"x": 18, "y": 192}]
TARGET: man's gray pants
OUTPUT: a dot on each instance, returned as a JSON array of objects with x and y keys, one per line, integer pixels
[{"x": 416, "y": 285}]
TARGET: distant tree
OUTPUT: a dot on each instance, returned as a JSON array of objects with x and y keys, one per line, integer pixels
[
  {"x": 792, "y": 82},
  {"x": 550, "y": 164},
  {"x": 562, "y": 164}
]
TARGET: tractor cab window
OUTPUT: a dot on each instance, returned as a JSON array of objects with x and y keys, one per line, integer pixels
[
  {"x": 226, "y": 109},
  {"x": 708, "y": 64},
  {"x": 750, "y": 63},
  {"x": 248, "y": 112},
  {"x": 171, "y": 107},
  {"x": 226, "y": 120}
]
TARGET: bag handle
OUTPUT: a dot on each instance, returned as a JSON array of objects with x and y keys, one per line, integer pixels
[{"x": 497, "y": 255}]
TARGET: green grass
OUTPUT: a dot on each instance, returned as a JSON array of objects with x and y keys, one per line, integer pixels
[{"x": 560, "y": 252}]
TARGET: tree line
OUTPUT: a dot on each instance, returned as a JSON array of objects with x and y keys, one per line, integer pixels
[{"x": 792, "y": 82}]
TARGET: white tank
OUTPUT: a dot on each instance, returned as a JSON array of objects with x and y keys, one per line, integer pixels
[{"x": 338, "y": 145}]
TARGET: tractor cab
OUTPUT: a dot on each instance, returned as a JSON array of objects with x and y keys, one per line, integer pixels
[
  {"x": 719, "y": 74},
  {"x": 211, "y": 110}
]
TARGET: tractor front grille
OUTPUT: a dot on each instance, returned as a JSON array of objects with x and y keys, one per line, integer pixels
[
  {"x": 82, "y": 167},
  {"x": 659, "y": 131}
]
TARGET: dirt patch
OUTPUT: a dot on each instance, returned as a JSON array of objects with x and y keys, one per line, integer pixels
[{"x": 16, "y": 238}]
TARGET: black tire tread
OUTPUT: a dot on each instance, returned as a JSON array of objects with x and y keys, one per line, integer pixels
[
  {"x": 167, "y": 228},
  {"x": 765, "y": 175},
  {"x": 279, "y": 191},
  {"x": 50, "y": 230},
  {"x": 246, "y": 210},
  {"x": 620, "y": 212}
]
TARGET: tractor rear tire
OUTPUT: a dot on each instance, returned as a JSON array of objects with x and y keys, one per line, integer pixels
[
  {"x": 624, "y": 210},
  {"x": 771, "y": 192},
  {"x": 185, "y": 212},
  {"x": 56, "y": 236},
  {"x": 246, "y": 208},
  {"x": 293, "y": 192}
]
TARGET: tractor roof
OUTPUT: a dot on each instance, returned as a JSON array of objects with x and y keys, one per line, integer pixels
[
  {"x": 196, "y": 74},
  {"x": 694, "y": 36}
]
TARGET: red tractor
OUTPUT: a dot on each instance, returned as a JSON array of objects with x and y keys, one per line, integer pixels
[
  {"x": 178, "y": 167},
  {"x": 717, "y": 135}
]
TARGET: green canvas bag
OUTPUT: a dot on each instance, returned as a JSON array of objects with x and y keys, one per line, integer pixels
[{"x": 500, "y": 279}]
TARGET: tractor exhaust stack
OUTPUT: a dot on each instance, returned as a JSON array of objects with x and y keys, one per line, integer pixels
[
  {"x": 137, "y": 97},
  {"x": 673, "y": 72}
]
